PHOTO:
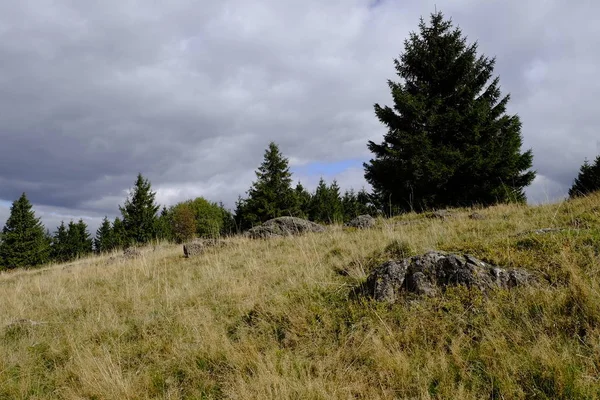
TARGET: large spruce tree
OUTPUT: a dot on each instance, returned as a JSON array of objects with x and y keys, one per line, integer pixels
[
  {"x": 140, "y": 213},
  {"x": 24, "y": 242},
  {"x": 449, "y": 140},
  {"x": 271, "y": 195},
  {"x": 588, "y": 179}
]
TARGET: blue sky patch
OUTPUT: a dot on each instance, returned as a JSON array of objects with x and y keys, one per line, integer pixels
[{"x": 326, "y": 169}]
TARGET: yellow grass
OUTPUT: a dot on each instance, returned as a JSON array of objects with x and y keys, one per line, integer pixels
[{"x": 277, "y": 319}]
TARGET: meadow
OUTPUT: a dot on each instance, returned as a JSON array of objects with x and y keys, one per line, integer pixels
[{"x": 279, "y": 318}]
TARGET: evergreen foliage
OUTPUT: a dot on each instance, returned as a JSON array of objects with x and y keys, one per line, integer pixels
[
  {"x": 105, "y": 238},
  {"x": 228, "y": 226},
  {"x": 355, "y": 204},
  {"x": 303, "y": 198},
  {"x": 449, "y": 140},
  {"x": 24, "y": 242},
  {"x": 271, "y": 195},
  {"x": 164, "y": 224},
  {"x": 588, "y": 180},
  {"x": 71, "y": 242},
  {"x": 60, "y": 249},
  {"x": 79, "y": 242},
  {"x": 326, "y": 204},
  {"x": 139, "y": 213},
  {"x": 119, "y": 234}
]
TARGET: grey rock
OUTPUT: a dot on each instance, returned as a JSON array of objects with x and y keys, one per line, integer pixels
[
  {"x": 198, "y": 246},
  {"x": 132, "y": 252},
  {"x": 477, "y": 216},
  {"x": 362, "y": 222},
  {"x": 440, "y": 214},
  {"x": 192, "y": 249},
  {"x": 386, "y": 281},
  {"x": 283, "y": 226},
  {"x": 430, "y": 274},
  {"x": 24, "y": 322}
]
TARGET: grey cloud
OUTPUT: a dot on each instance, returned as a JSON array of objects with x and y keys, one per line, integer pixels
[{"x": 190, "y": 94}]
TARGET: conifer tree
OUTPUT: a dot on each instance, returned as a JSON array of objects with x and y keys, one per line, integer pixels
[
  {"x": 449, "y": 140},
  {"x": 79, "y": 242},
  {"x": 326, "y": 204},
  {"x": 303, "y": 198},
  {"x": 119, "y": 234},
  {"x": 355, "y": 204},
  {"x": 588, "y": 179},
  {"x": 164, "y": 225},
  {"x": 228, "y": 221},
  {"x": 24, "y": 242},
  {"x": 139, "y": 213},
  {"x": 271, "y": 195},
  {"x": 105, "y": 238},
  {"x": 60, "y": 250}
]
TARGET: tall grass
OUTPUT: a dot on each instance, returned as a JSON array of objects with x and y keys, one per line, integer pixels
[{"x": 277, "y": 319}]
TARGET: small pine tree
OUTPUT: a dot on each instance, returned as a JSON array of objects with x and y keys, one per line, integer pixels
[
  {"x": 119, "y": 234},
  {"x": 228, "y": 227},
  {"x": 60, "y": 251},
  {"x": 303, "y": 198},
  {"x": 271, "y": 195},
  {"x": 164, "y": 225},
  {"x": 78, "y": 240},
  {"x": 104, "y": 240},
  {"x": 588, "y": 180},
  {"x": 139, "y": 213},
  {"x": 355, "y": 204},
  {"x": 24, "y": 242},
  {"x": 326, "y": 204}
]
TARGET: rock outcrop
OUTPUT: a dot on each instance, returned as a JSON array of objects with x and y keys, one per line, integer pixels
[
  {"x": 283, "y": 226},
  {"x": 431, "y": 273},
  {"x": 362, "y": 222}
]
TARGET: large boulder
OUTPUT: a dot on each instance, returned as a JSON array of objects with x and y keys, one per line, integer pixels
[
  {"x": 431, "y": 273},
  {"x": 283, "y": 226},
  {"x": 362, "y": 222}
]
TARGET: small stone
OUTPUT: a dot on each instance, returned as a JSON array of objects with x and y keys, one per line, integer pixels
[
  {"x": 477, "y": 216},
  {"x": 132, "y": 252},
  {"x": 192, "y": 249},
  {"x": 440, "y": 214},
  {"x": 362, "y": 222},
  {"x": 283, "y": 226}
]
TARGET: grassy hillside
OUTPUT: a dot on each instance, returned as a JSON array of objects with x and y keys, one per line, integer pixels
[{"x": 276, "y": 320}]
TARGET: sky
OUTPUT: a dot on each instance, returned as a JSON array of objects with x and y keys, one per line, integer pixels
[{"x": 190, "y": 93}]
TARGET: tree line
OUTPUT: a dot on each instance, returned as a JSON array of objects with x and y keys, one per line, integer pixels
[
  {"x": 25, "y": 242},
  {"x": 449, "y": 143}
]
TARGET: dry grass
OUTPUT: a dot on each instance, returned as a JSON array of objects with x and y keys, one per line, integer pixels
[{"x": 276, "y": 319}]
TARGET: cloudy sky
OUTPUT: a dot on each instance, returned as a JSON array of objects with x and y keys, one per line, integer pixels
[{"x": 189, "y": 93}]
